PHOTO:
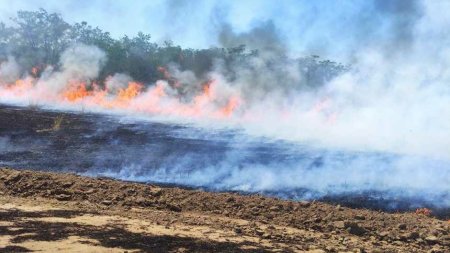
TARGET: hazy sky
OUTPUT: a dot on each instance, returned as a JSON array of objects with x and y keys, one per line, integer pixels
[{"x": 328, "y": 27}]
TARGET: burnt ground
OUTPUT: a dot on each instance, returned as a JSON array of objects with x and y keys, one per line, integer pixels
[
  {"x": 99, "y": 145},
  {"x": 44, "y": 210}
]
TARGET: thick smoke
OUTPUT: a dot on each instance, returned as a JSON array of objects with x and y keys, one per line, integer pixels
[
  {"x": 386, "y": 102},
  {"x": 117, "y": 81},
  {"x": 263, "y": 38},
  {"x": 9, "y": 71},
  {"x": 78, "y": 63}
]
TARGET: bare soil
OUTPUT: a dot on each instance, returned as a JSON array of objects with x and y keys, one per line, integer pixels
[{"x": 49, "y": 212}]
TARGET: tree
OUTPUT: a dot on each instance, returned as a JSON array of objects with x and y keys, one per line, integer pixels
[{"x": 38, "y": 37}]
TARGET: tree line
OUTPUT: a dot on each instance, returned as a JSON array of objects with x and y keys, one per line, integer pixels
[{"x": 38, "y": 38}]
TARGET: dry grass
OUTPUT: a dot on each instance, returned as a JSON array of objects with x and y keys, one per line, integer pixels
[{"x": 57, "y": 122}]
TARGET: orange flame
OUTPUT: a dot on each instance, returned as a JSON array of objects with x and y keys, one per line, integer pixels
[
  {"x": 232, "y": 104},
  {"x": 129, "y": 92},
  {"x": 76, "y": 92},
  {"x": 160, "y": 98},
  {"x": 423, "y": 211}
]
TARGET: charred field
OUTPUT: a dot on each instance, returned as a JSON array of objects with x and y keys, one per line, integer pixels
[{"x": 99, "y": 145}]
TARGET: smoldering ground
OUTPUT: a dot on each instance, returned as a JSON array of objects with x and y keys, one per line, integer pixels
[{"x": 220, "y": 160}]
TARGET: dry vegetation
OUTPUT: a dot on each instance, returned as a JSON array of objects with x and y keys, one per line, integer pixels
[{"x": 56, "y": 125}]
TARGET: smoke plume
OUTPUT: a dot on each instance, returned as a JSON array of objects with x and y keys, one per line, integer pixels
[{"x": 9, "y": 71}]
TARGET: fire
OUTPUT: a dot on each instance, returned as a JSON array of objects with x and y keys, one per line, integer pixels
[
  {"x": 205, "y": 97},
  {"x": 423, "y": 211},
  {"x": 164, "y": 72},
  {"x": 162, "y": 98},
  {"x": 159, "y": 90},
  {"x": 21, "y": 85},
  {"x": 232, "y": 104},
  {"x": 167, "y": 76},
  {"x": 34, "y": 71},
  {"x": 207, "y": 88},
  {"x": 76, "y": 92},
  {"x": 129, "y": 92}
]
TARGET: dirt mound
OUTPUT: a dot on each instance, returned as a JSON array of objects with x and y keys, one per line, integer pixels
[{"x": 245, "y": 223}]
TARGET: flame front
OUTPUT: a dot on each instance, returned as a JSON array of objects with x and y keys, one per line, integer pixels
[
  {"x": 211, "y": 99},
  {"x": 161, "y": 98}
]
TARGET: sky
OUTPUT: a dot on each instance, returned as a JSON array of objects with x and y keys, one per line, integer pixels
[{"x": 331, "y": 28}]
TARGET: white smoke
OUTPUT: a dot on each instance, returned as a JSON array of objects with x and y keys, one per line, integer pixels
[
  {"x": 78, "y": 63},
  {"x": 395, "y": 102},
  {"x": 10, "y": 71},
  {"x": 117, "y": 81}
]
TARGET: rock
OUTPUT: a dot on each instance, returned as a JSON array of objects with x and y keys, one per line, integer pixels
[
  {"x": 238, "y": 230},
  {"x": 397, "y": 243},
  {"x": 230, "y": 199},
  {"x": 316, "y": 251},
  {"x": 118, "y": 198},
  {"x": 431, "y": 239},
  {"x": 259, "y": 232},
  {"x": 383, "y": 234},
  {"x": 156, "y": 192},
  {"x": 339, "y": 224},
  {"x": 401, "y": 226},
  {"x": 442, "y": 229},
  {"x": 142, "y": 201},
  {"x": 304, "y": 203},
  {"x": 63, "y": 197},
  {"x": 355, "y": 229},
  {"x": 13, "y": 177},
  {"x": 360, "y": 217},
  {"x": 275, "y": 208},
  {"x": 412, "y": 235},
  {"x": 436, "y": 249},
  {"x": 328, "y": 217},
  {"x": 67, "y": 184},
  {"x": 174, "y": 208},
  {"x": 255, "y": 210},
  {"x": 89, "y": 191},
  {"x": 106, "y": 202},
  {"x": 266, "y": 236},
  {"x": 330, "y": 248}
]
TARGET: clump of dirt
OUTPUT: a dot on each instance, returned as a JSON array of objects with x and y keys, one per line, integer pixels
[{"x": 260, "y": 223}]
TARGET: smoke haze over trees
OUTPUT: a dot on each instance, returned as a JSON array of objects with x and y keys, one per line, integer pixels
[{"x": 38, "y": 38}]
